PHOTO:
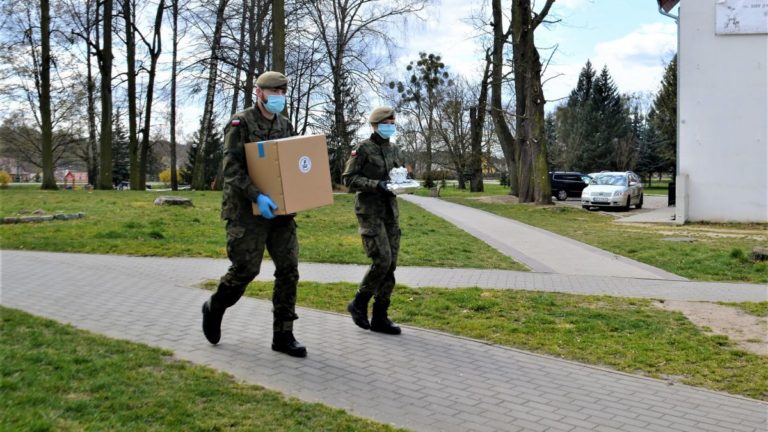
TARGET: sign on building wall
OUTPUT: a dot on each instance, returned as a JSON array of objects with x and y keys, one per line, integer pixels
[{"x": 741, "y": 17}]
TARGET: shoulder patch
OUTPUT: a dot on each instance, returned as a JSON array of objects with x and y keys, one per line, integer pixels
[
  {"x": 235, "y": 122},
  {"x": 354, "y": 153}
]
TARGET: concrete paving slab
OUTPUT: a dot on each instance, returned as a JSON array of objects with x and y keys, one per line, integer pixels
[
  {"x": 538, "y": 249},
  {"x": 461, "y": 384}
]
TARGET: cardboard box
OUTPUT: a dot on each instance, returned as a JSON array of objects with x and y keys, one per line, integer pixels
[{"x": 293, "y": 171}]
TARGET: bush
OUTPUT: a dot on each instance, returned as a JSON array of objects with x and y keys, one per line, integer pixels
[
  {"x": 165, "y": 176},
  {"x": 504, "y": 179},
  {"x": 429, "y": 182},
  {"x": 5, "y": 178}
]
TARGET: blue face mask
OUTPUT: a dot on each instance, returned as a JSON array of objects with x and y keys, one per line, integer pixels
[
  {"x": 275, "y": 103},
  {"x": 386, "y": 130}
]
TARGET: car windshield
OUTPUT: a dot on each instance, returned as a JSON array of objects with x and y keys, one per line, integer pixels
[{"x": 610, "y": 179}]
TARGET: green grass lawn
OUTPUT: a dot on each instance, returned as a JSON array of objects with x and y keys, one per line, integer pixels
[
  {"x": 57, "y": 378},
  {"x": 626, "y": 334},
  {"x": 129, "y": 223}
]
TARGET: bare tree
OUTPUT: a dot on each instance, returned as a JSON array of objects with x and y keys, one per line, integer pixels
[
  {"x": 278, "y": 35},
  {"x": 174, "y": 72},
  {"x": 503, "y": 131},
  {"x": 477, "y": 122},
  {"x": 198, "y": 173},
  {"x": 349, "y": 29},
  {"x": 128, "y": 12},
  {"x": 532, "y": 177},
  {"x": 84, "y": 25},
  {"x": 44, "y": 129},
  {"x": 49, "y": 182},
  {"x": 453, "y": 127},
  {"x": 154, "y": 48},
  {"x": 104, "y": 56},
  {"x": 420, "y": 95}
]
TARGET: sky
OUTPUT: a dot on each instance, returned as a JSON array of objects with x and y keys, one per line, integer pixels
[{"x": 630, "y": 37}]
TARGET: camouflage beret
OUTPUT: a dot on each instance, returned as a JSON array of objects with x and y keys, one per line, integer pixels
[
  {"x": 271, "y": 79},
  {"x": 380, "y": 114}
]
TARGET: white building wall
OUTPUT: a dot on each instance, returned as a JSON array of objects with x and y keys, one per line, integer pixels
[{"x": 722, "y": 120}]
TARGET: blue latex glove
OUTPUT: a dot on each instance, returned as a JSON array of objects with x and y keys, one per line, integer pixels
[{"x": 266, "y": 205}]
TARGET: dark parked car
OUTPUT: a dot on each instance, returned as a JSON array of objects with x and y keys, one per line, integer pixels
[{"x": 567, "y": 184}]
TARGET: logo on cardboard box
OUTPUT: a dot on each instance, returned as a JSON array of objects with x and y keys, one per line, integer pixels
[{"x": 305, "y": 164}]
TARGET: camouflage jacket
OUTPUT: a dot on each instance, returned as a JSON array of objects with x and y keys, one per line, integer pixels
[
  {"x": 245, "y": 127},
  {"x": 369, "y": 163}
]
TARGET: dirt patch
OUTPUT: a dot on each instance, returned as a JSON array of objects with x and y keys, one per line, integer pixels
[
  {"x": 748, "y": 332},
  {"x": 497, "y": 199}
]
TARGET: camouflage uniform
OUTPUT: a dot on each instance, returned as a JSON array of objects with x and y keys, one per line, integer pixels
[
  {"x": 377, "y": 213},
  {"x": 247, "y": 234}
]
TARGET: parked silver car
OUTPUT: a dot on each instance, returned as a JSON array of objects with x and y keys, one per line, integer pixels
[{"x": 613, "y": 189}]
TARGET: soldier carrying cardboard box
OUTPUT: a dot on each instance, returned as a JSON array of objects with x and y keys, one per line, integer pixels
[{"x": 248, "y": 234}]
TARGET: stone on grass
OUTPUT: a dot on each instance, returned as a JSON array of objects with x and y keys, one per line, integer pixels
[
  {"x": 173, "y": 200},
  {"x": 760, "y": 253}
]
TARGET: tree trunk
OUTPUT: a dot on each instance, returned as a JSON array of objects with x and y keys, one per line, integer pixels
[
  {"x": 49, "y": 181},
  {"x": 504, "y": 134},
  {"x": 198, "y": 173},
  {"x": 239, "y": 65},
  {"x": 154, "y": 52},
  {"x": 533, "y": 178},
  {"x": 174, "y": 67},
  {"x": 93, "y": 152},
  {"x": 133, "y": 144},
  {"x": 105, "y": 65},
  {"x": 254, "y": 28},
  {"x": 477, "y": 120},
  {"x": 278, "y": 36},
  {"x": 521, "y": 21}
]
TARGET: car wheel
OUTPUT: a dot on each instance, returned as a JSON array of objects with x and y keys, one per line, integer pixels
[
  {"x": 586, "y": 207},
  {"x": 639, "y": 204},
  {"x": 561, "y": 195},
  {"x": 629, "y": 203}
]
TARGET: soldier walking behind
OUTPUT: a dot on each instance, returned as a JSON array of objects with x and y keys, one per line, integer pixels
[
  {"x": 366, "y": 173},
  {"x": 248, "y": 235}
]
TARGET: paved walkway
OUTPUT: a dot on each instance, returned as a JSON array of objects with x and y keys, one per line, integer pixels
[
  {"x": 540, "y": 250},
  {"x": 422, "y": 380}
]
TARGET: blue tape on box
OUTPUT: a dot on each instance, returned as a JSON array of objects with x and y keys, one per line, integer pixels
[{"x": 261, "y": 150}]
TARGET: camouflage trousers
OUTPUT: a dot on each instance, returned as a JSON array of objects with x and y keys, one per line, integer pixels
[
  {"x": 246, "y": 241},
  {"x": 381, "y": 241}
]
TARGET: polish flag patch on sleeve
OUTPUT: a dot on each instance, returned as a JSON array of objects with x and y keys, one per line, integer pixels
[
  {"x": 235, "y": 122},
  {"x": 354, "y": 153}
]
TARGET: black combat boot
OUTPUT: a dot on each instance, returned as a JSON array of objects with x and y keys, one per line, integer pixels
[
  {"x": 358, "y": 308},
  {"x": 379, "y": 320},
  {"x": 284, "y": 342},
  {"x": 212, "y": 323}
]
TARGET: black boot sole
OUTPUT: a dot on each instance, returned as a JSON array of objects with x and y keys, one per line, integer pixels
[
  {"x": 301, "y": 352},
  {"x": 387, "y": 330}
]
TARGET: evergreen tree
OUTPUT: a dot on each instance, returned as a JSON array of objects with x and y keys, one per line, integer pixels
[
  {"x": 121, "y": 159},
  {"x": 593, "y": 126},
  {"x": 662, "y": 120},
  {"x": 341, "y": 134},
  {"x": 214, "y": 150},
  {"x": 556, "y": 149},
  {"x": 610, "y": 119},
  {"x": 575, "y": 123}
]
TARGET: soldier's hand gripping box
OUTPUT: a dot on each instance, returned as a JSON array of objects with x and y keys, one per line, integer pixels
[{"x": 293, "y": 171}]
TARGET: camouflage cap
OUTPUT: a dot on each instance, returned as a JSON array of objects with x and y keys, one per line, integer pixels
[
  {"x": 380, "y": 114},
  {"x": 272, "y": 79}
]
